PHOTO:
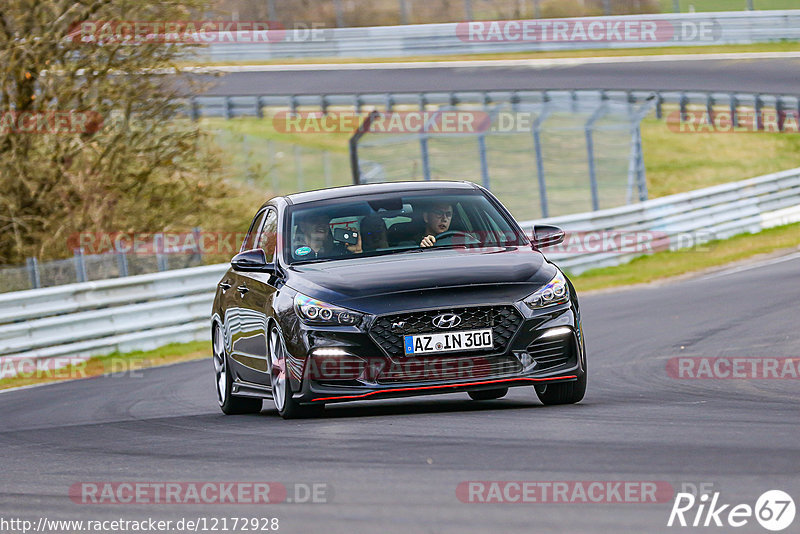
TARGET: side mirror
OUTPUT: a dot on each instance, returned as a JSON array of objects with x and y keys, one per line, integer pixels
[
  {"x": 252, "y": 261},
  {"x": 545, "y": 235}
]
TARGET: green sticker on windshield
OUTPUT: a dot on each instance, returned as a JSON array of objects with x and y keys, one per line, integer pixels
[{"x": 302, "y": 251}]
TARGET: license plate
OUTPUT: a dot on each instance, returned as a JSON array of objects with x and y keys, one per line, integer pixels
[{"x": 448, "y": 341}]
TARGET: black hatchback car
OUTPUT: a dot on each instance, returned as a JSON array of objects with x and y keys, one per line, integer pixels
[{"x": 392, "y": 290}]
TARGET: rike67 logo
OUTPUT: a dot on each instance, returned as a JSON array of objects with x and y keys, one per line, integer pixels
[{"x": 774, "y": 510}]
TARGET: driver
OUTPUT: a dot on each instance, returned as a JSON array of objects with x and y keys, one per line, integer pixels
[{"x": 437, "y": 220}]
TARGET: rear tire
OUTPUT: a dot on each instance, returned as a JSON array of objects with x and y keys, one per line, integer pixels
[
  {"x": 229, "y": 404},
  {"x": 488, "y": 394},
  {"x": 562, "y": 393},
  {"x": 287, "y": 407}
]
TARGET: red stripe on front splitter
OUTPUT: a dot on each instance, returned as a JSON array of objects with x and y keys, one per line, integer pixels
[{"x": 419, "y": 388}]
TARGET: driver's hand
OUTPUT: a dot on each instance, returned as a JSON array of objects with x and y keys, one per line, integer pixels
[{"x": 427, "y": 241}]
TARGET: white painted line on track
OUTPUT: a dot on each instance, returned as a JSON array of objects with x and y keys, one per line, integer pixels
[{"x": 493, "y": 63}]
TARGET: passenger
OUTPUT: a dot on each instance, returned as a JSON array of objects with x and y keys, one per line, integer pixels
[{"x": 314, "y": 240}]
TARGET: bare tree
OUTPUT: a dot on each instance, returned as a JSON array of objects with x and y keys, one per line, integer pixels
[{"x": 127, "y": 160}]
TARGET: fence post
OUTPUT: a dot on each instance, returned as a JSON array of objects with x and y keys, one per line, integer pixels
[
  {"x": 339, "y": 14},
  {"x": 484, "y": 161},
  {"x": 122, "y": 263},
  {"x": 676, "y": 6},
  {"x": 537, "y": 145},
  {"x": 80, "y": 265},
  {"x": 468, "y": 10},
  {"x": 426, "y": 164},
  {"x": 326, "y": 165},
  {"x": 606, "y": 7},
  {"x": 298, "y": 167},
  {"x": 271, "y": 169},
  {"x": 198, "y": 239},
  {"x": 33, "y": 273},
  {"x": 537, "y": 12},
  {"x": 403, "y": 11},
  {"x": 273, "y": 15},
  {"x": 750, "y": 5},
  {"x": 590, "y": 155}
]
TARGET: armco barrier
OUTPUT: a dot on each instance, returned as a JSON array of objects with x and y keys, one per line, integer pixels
[
  {"x": 146, "y": 311},
  {"x": 715, "y": 212},
  {"x": 737, "y": 27}
]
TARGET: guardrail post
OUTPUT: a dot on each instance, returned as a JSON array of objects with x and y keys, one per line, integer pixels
[
  {"x": 779, "y": 110},
  {"x": 122, "y": 263},
  {"x": 33, "y": 273},
  {"x": 292, "y": 104},
  {"x": 734, "y": 110},
  {"x": 606, "y": 7},
  {"x": 468, "y": 10},
  {"x": 273, "y": 15},
  {"x": 194, "y": 109},
  {"x": 676, "y": 6},
  {"x": 228, "y": 108},
  {"x": 259, "y": 108},
  {"x": 198, "y": 243},
  {"x": 161, "y": 261},
  {"x": 659, "y": 106},
  {"x": 684, "y": 100},
  {"x": 710, "y": 108},
  {"x": 759, "y": 105},
  {"x": 80, "y": 265},
  {"x": 750, "y": 5}
]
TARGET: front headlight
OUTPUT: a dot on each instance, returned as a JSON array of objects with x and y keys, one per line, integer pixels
[
  {"x": 316, "y": 312},
  {"x": 555, "y": 292}
]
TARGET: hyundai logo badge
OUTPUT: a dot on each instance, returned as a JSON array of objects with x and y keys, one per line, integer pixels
[{"x": 447, "y": 320}]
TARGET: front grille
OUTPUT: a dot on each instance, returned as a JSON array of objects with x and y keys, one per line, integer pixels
[
  {"x": 503, "y": 320},
  {"x": 550, "y": 353}
]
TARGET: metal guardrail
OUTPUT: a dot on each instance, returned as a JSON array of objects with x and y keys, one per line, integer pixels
[
  {"x": 254, "y": 105},
  {"x": 673, "y": 29},
  {"x": 682, "y": 220},
  {"x": 146, "y": 311}
]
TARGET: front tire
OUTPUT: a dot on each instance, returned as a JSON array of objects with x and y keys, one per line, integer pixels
[
  {"x": 287, "y": 407},
  {"x": 488, "y": 394},
  {"x": 562, "y": 393},
  {"x": 229, "y": 404}
]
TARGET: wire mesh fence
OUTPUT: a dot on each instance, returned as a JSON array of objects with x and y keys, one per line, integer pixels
[
  {"x": 281, "y": 167},
  {"x": 565, "y": 154}
]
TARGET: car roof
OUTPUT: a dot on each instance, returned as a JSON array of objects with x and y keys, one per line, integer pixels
[{"x": 368, "y": 189}]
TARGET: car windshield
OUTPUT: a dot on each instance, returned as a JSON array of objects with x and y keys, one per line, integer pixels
[{"x": 396, "y": 223}]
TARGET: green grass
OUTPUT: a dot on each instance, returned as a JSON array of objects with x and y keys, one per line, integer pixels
[
  {"x": 129, "y": 364},
  {"x": 668, "y": 264}
]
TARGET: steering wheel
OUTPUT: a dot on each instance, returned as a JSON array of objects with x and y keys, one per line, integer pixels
[{"x": 469, "y": 239}]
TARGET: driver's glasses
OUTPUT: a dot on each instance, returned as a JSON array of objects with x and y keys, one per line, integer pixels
[{"x": 443, "y": 214}]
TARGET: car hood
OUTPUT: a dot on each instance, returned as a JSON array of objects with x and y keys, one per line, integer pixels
[{"x": 426, "y": 279}]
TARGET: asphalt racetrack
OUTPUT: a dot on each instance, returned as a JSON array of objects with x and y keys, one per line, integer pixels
[
  {"x": 394, "y": 465},
  {"x": 768, "y": 75}
]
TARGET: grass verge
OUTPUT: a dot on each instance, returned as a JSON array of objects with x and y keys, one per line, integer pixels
[
  {"x": 667, "y": 264},
  {"x": 117, "y": 363}
]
